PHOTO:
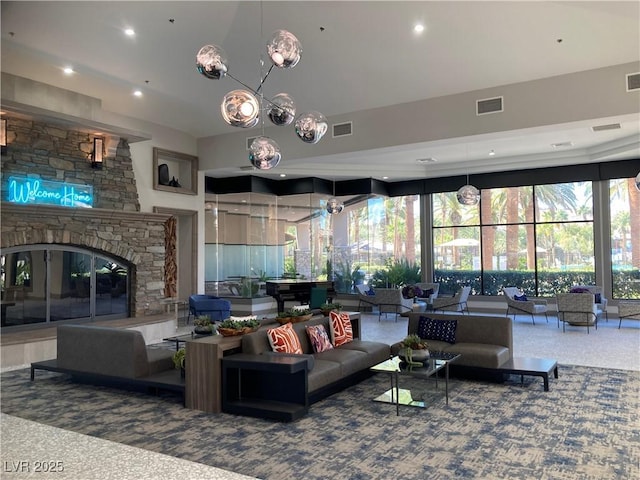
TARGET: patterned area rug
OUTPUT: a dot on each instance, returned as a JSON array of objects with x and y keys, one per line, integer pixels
[{"x": 586, "y": 427}]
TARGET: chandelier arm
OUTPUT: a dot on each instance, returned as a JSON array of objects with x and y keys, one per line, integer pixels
[
  {"x": 251, "y": 89},
  {"x": 264, "y": 79}
]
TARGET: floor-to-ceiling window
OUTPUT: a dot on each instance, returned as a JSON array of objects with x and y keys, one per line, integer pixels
[
  {"x": 537, "y": 237},
  {"x": 624, "y": 208},
  {"x": 42, "y": 284}
]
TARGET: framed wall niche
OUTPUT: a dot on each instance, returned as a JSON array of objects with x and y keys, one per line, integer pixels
[{"x": 175, "y": 172}]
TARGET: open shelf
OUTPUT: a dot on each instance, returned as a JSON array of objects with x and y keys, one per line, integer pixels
[{"x": 175, "y": 172}]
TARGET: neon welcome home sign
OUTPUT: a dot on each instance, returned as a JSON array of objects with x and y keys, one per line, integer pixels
[{"x": 34, "y": 191}]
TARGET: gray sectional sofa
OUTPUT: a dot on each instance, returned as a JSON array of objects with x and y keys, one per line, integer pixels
[
  {"x": 111, "y": 356},
  {"x": 329, "y": 371},
  {"x": 484, "y": 342}
]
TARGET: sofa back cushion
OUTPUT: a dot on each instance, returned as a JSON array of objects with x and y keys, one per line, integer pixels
[
  {"x": 258, "y": 342},
  {"x": 102, "y": 350},
  {"x": 492, "y": 330}
]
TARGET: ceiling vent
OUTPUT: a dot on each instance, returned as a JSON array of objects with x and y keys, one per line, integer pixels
[
  {"x": 489, "y": 105},
  {"x": 602, "y": 128},
  {"x": 247, "y": 168},
  {"x": 250, "y": 141},
  {"x": 633, "y": 82},
  {"x": 342, "y": 129}
]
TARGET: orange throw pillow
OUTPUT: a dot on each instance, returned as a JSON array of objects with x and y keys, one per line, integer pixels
[
  {"x": 341, "y": 330},
  {"x": 284, "y": 339}
]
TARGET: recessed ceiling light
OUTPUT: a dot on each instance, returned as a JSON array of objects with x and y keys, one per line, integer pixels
[
  {"x": 385, "y": 178},
  {"x": 137, "y": 93},
  {"x": 418, "y": 28},
  {"x": 492, "y": 153},
  {"x": 427, "y": 160},
  {"x": 130, "y": 32},
  {"x": 282, "y": 175},
  {"x": 68, "y": 70}
]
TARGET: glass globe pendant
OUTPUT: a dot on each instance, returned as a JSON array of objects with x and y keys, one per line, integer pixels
[
  {"x": 212, "y": 62},
  {"x": 311, "y": 127},
  {"x": 284, "y": 49},
  {"x": 264, "y": 153},
  {"x": 334, "y": 205},
  {"x": 240, "y": 108},
  {"x": 468, "y": 195},
  {"x": 282, "y": 109}
]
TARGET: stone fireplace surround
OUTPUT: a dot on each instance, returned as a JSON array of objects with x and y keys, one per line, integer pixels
[
  {"x": 135, "y": 238},
  {"x": 116, "y": 226}
]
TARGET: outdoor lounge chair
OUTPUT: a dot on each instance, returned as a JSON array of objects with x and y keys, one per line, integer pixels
[
  {"x": 457, "y": 303},
  {"x": 531, "y": 307}
]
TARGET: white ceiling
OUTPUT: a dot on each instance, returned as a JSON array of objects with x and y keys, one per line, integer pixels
[{"x": 356, "y": 56}]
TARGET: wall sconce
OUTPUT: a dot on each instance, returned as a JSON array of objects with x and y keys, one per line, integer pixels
[
  {"x": 3, "y": 135},
  {"x": 96, "y": 155}
]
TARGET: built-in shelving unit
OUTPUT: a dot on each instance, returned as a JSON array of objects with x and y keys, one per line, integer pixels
[{"x": 175, "y": 172}]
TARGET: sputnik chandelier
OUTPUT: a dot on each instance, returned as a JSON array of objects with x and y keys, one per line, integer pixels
[{"x": 244, "y": 107}]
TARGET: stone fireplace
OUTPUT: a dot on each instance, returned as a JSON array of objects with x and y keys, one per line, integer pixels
[{"x": 115, "y": 226}]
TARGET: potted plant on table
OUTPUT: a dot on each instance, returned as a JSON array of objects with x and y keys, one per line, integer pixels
[
  {"x": 327, "y": 308},
  {"x": 232, "y": 327},
  {"x": 294, "y": 316},
  {"x": 203, "y": 325},
  {"x": 414, "y": 350}
]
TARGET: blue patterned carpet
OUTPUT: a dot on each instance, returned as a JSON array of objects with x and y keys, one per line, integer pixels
[{"x": 586, "y": 427}]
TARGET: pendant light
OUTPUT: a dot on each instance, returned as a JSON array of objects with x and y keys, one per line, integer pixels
[
  {"x": 334, "y": 206},
  {"x": 468, "y": 194}
]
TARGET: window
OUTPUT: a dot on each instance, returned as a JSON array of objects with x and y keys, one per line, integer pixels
[
  {"x": 624, "y": 207},
  {"x": 539, "y": 238}
]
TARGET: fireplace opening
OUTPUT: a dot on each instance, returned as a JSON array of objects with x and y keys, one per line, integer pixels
[{"x": 46, "y": 284}]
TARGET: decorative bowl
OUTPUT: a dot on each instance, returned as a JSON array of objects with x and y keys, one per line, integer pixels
[
  {"x": 416, "y": 355},
  {"x": 233, "y": 332},
  {"x": 297, "y": 319}
]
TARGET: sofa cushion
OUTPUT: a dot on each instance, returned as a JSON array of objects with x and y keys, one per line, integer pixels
[
  {"x": 341, "y": 329},
  {"x": 283, "y": 339},
  {"x": 520, "y": 298},
  {"x": 324, "y": 373},
  {"x": 319, "y": 338},
  {"x": 351, "y": 361},
  {"x": 433, "y": 329},
  {"x": 376, "y": 351},
  {"x": 479, "y": 354}
]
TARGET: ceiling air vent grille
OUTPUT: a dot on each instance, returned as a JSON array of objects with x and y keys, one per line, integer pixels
[
  {"x": 633, "y": 82},
  {"x": 342, "y": 129},
  {"x": 489, "y": 105},
  {"x": 601, "y": 128},
  {"x": 250, "y": 141}
]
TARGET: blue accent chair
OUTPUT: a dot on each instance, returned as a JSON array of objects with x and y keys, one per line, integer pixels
[{"x": 217, "y": 308}]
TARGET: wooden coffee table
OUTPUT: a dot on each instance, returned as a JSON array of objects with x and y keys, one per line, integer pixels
[{"x": 538, "y": 367}]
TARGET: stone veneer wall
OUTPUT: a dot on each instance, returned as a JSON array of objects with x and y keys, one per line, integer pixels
[{"x": 115, "y": 227}]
